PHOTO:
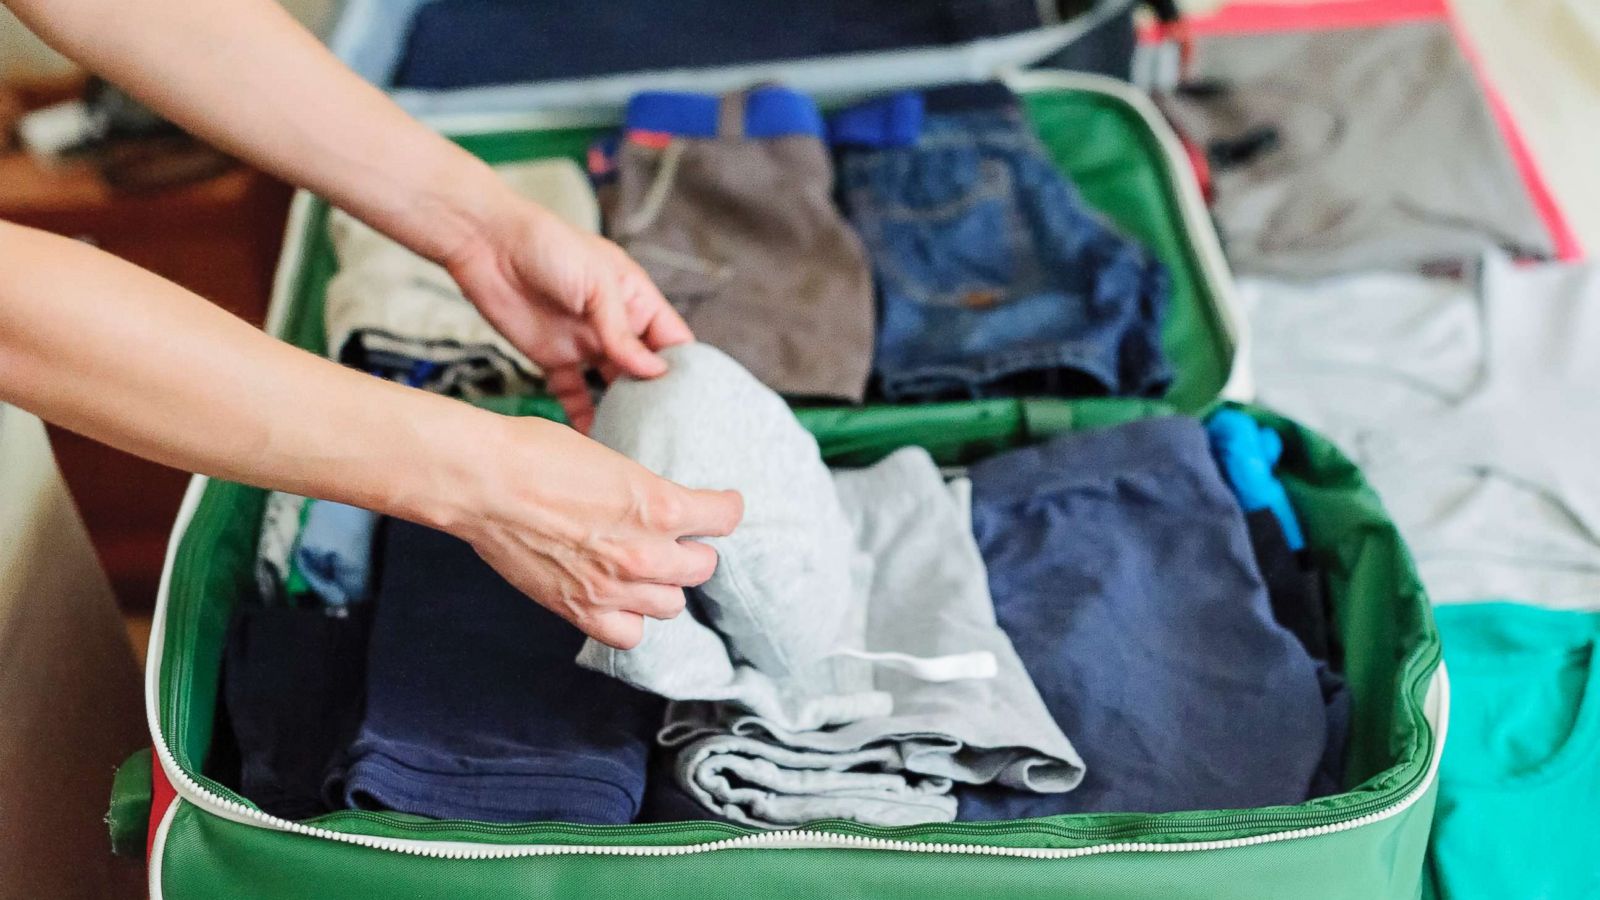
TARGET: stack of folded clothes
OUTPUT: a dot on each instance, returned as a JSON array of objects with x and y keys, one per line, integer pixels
[
  {"x": 1121, "y": 566},
  {"x": 393, "y": 313},
  {"x": 727, "y": 202},
  {"x": 878, "y": 644},
  {"x": 993, "y": 277},
  {"x": 844, "y": 661},
  {"x": 474, "y": 707}
]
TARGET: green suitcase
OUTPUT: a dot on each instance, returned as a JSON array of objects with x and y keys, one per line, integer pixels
[{"x": 1368, "y": 842}]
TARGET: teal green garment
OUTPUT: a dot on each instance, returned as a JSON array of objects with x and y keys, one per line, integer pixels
[{"x": 1519, "y": 790}]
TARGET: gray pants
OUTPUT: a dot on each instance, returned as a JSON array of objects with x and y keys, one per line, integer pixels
[
  {"x": 844, "y": 658},
  {"x": 927, "y": 597}
]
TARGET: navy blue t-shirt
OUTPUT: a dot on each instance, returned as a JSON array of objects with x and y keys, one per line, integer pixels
[{"x": 1122, "y": 570}]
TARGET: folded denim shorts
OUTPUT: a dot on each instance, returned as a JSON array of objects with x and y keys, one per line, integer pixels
[{"x": 995, "y": 278}]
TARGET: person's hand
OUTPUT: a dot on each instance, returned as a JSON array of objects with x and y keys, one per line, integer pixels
[
  {"x": 568, "y": 300},
  {"x": 587, "y": 532}
]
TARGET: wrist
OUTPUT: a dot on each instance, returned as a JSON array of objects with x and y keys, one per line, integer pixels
[
  {"x": 456, "y": 208},
  {"x": 451, "y": 468}
]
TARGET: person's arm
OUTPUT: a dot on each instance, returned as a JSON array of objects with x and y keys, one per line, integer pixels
[
  {"x": 245, "y": 76},
  {"x": 113, "y": 352}
]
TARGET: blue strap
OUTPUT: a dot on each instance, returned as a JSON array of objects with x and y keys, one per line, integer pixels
[
  {"x": 421, "y": 371},
  {"x": 770, "y": 112},
  {"x": 1247, "y": 453},
  {"x": 892, "y": 121}
]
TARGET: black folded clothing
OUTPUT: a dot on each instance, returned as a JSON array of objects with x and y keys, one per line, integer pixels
[{"x": 292, "y": 681}]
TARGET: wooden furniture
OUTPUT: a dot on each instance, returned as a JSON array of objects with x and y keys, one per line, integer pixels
[{"x": 219, "y": 238}]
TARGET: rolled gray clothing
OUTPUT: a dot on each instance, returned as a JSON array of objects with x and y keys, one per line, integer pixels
[
  {"x": 756, "y": 782},
  {"x": 1383, "y": 153},
  {"x": 743, "y": 237},
  {"x": 929, "y": 620},
  {"x": 768, "y": 628}
]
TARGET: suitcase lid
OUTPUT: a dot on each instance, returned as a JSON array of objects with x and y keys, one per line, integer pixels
[{"x": 371, "y": 37}]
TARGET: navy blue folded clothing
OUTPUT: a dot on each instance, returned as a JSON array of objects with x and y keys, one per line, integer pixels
[
  {"x": 292, "y": 685},
  {"x": 1300, "y": 604},
  {"x": 466, "y": 43},
  {"x": 476, "y": 708},
  {"x": 1329, "y": 777},
  {"x": 1121, "y": 568}
]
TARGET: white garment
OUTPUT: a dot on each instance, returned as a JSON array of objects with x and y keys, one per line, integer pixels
[
  {"x": 1470, "y": 404},
  {"x": 413, "y": 307},
  {"x": 280, "y": 531}
]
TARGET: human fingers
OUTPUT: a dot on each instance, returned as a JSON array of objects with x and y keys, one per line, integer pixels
[
  {"x": 615, "y": 628},
  {"x": 619, "y": 343},
  {"x": 571, "y": 390}
]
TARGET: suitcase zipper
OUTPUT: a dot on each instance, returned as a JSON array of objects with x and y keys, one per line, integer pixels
[
  {"x": 1115, "y": 837},
  {"x": 189, "y": 790}
]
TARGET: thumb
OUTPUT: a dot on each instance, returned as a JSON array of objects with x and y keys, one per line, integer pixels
[{"x": 710, "y": 513}]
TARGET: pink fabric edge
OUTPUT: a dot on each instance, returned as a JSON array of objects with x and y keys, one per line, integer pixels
[
  {"x": 1568, "y": 249},
  {"x": 1248, "y": 18},
  {"x": 1258, "y": 18}
]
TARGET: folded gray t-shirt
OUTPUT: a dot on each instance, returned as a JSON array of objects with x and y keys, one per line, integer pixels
[{"x": 1383, "y": 151}]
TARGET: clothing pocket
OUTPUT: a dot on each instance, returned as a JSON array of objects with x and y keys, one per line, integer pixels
[{"x": 949, "y": 230}]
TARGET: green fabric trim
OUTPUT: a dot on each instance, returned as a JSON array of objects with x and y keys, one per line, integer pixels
[
  {"x": 208, "y": 857},
  {"x": 129, "y": 816}
]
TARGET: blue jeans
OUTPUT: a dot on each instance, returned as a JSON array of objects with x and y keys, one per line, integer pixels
[{"x": 995, "y": 278}]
